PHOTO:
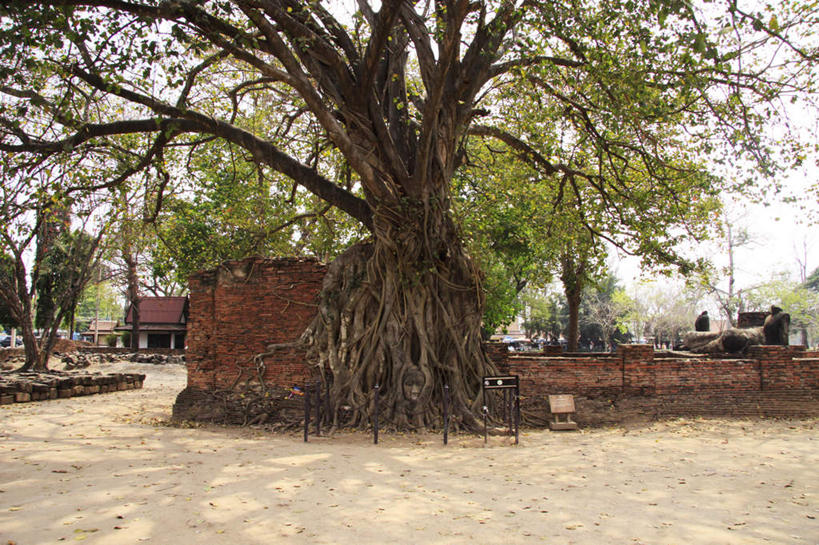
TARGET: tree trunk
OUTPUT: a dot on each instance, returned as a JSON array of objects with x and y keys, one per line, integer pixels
[
  {"x": 403, "y": 313},
  {"x": 573, "y": 277},
  {"x": 573, "y": 333},
  {"x": 30, "y": 346},
  {"x": 133, "y": 295}
]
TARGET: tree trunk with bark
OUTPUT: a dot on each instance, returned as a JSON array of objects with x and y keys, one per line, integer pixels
[
  {"x": 132, "y": 276},
  {"x": 573, "y": 277},
  {"x": 403, "y": 313},
  {"x": 573, "y": 333}
]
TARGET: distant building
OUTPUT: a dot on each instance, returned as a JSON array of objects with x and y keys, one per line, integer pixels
[
  {"x": 99, "y": 330},
  {"x": 162, "y": 322},
  {"x": 513, "y": 331}
]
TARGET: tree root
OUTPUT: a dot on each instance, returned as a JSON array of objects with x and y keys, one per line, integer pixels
[{"x": 402, "y": 313}]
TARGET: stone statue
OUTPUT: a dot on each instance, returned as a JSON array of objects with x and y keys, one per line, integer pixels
[
  {"x": 737, "y": 339},
  {"x": 702, "y": 323},
  {"x": 413, "y": 384},
  {"x": 731, "y": 341},
  {"x": 776, "y": 328},
  {"x": 409, "y": 404}
]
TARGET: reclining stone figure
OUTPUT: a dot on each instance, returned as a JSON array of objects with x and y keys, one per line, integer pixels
[{"x": 737, "y": 340}]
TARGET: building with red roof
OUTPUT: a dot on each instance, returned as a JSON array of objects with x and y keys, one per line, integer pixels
[{"x": 162, "y": 322}]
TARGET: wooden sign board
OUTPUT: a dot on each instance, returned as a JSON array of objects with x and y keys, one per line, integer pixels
[{"x": 561, "y": 404}]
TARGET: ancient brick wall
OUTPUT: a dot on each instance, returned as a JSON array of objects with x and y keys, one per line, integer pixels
[
  {"x": 239, "y": 309},
  {"x": 583, "y": 376},
  {"x": 751, "y": 319},
  {"x": 236, "y": 312},
  {"x": 696, "y": 375},
  {"x": 769, "y": 381}
]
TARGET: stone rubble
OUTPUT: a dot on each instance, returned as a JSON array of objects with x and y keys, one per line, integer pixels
[
  {"x": 17, "y": 387},
  {"x": 23, "y": 387}
]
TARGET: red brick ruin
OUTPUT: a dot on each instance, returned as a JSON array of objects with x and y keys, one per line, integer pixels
[
  {"x": 239, "y": 309},
  {"x": 236, "y": 312}
]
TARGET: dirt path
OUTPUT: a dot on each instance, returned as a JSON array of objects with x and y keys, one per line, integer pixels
[{"x": 106, "y": 469}]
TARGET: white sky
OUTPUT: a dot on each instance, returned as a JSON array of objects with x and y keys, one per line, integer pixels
[{"x": 780, "y": 234}]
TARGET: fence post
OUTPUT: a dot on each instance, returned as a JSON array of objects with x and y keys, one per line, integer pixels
[
  {"x": 446, "y": 413},
  {"x": 375, "y": 416},
  {"x": 306, "y": 411},
  {"x": 510, "y": 404},
  {"x": 517, "y": 415},
  {"x": 318, "y": 408}
]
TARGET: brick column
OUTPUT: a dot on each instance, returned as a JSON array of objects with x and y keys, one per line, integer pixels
[
  {"x": 638, "y": 368},
  {"x": 774, "y": 363},
  {"x": 553, "y": 350},
  {"x": 498, "y": 353},
  {"x": 236, "y": 312}
]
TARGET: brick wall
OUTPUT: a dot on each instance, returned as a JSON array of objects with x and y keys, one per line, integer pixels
[
  {"x": 633, "y": 383},
  {"x": 751, "y": 319},
  {"x": 696, "y": 375},
  {"x": 242, "y": 307},
  {"x": 236, "y": 312},
  {"x": 239, "y": 309}
]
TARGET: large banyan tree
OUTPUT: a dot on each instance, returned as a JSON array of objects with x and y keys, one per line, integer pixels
[{"x": 393, "y": 93}]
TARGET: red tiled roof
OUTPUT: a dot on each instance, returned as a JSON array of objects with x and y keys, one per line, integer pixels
[
  {"x": 159, "y": 310},
  {"x": 105, "y": 326}
]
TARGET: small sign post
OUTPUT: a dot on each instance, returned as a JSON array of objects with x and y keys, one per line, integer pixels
[
  {"x": 306, "y": 411},
  {"x": 318, "y": 409},
  {"x": 562, "y": 408}
]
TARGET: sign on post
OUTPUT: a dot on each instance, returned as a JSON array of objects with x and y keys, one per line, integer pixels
[{"x": 508, "y": 384}]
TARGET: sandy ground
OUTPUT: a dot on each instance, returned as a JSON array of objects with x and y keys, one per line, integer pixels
[{"x": 108, "y": 469}]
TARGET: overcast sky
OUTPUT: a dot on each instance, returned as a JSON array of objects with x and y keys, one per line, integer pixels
[{"x": 779, "y": 233}]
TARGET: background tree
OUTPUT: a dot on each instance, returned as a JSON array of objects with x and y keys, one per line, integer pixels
[
  {"x": 65, "y": 269},
  {"x": 503, "y": 220},
  {"x": 102, "y": 300},
  {"x": 546, "y": 315},
  {"x": 231, "y": 209},
  {"x": 63, "y": 258},
  {"x": 722, "y": 283},
  {"x": 603, "y": 313},
  {"x": 665, "y": 309},
  {"x": 7, "y": 320},
  {"x": 794, "y": 298},
  {"x": 812, "y": 281}
]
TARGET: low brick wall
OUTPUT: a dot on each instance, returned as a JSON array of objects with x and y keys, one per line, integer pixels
[
  {"x": 236, "y": 312},
  {"x": 24, "y": 387},
  {"x": 633, "y": 383},
  {"x": 7, "y": 354}
]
